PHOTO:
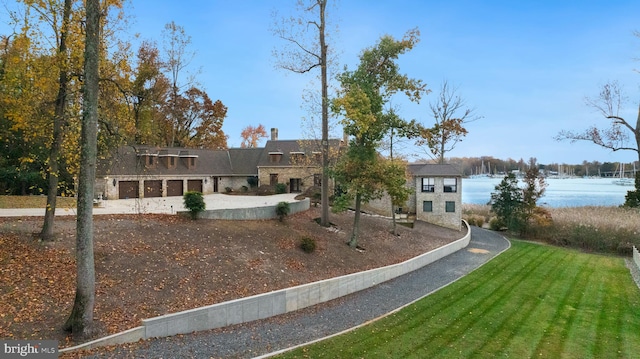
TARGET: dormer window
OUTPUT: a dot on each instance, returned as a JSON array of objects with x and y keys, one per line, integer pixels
[
  {"x": 275, "y": 157},
  {"x": 169, "y": 160},
  {"x": 149, "y": 160},
  {"x": 189, "y": 160},
  {"x": 296, "y": 157}
]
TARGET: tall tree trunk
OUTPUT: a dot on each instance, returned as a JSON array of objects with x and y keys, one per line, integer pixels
[
  {"x": 58, "y": 119},
  {"x": 324, "y": 194},
  {"x": 353, "y": 242},
  {"x": 394, "y": 229},
  {"x": 80, "y": 322}
]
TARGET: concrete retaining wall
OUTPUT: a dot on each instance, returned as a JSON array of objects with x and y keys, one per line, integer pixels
[
  {"x": 254, "y": 213},
  {"x": 273, "y": 303},
  {"x": 636, "y": 256}
]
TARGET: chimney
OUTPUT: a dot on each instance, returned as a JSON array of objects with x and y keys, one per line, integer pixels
[{"x": 274, "y": 134}]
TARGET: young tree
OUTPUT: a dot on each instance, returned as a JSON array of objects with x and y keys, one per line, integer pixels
[
  {"x": 361, "y": 101},
  {"x": 517, "y": 207},
  {"x": 304, "y": 52},
  {"x": 506, "y": 202},
  {"x": 80, "y": 322},
  {"x": 615, "y": 137},
  {"x": 450, "y": 114},
  {"x": 252, "y": 135}
]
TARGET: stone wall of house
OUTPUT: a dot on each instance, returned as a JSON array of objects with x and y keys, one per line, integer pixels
[
  {"x": 438, "y": 198},
  {"x": 285, "y": 174},
  {"x": 381, "y": 206},
  {"x": 235, "y": 183}
]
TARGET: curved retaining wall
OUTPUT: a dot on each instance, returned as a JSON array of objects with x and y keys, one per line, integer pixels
[
  {"x": 636, "y": 256},
  {"x": 273, "y": 303}
]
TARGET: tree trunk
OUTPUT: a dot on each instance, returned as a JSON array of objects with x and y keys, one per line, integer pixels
[
  {"x": 58, "y": 119},
  {"x": 324, "y": 194},
  {"x": 353, "y": 242},
  {"x": 80, "y": 322}
]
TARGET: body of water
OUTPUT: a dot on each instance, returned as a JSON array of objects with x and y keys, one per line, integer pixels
[{"x": 569, "y": 192}]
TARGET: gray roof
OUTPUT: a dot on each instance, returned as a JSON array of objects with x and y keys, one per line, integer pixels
[
  {"x": 430, "y": 169},
  {"x": 244, "y": 161},
  {"x": 128, "y": 160},
  {"x": 287, "y": 147}
]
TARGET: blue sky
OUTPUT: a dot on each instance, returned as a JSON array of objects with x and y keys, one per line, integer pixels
[{"x": 525, "y": 66}]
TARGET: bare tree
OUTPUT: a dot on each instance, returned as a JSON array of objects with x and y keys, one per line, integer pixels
[
  {"x": 451, "y": 114},
  {"x": 80, "y": 322},
  {"x": 615, "y": 137},
  {"x": 306, "y": 50},
  {"x": 177, "y": 58}
]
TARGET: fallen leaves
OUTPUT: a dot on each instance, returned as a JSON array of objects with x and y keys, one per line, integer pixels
[{"x": 150, "y": 265}]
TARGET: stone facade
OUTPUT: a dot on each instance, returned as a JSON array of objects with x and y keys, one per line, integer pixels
[{"x": 439, "y": 207}]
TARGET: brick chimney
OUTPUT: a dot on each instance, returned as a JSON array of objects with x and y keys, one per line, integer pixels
[{"x": 274, "y": 134}]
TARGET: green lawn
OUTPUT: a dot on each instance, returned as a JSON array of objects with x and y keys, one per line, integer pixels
[
  {"x": 35, "y": 202},
  {"x": 531, "y": 301}
]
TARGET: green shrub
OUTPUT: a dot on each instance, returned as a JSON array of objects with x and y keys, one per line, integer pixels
[
  {"x": 228, "y": 189},
  {"x": 496, "y": 224},
  {"x": 245, "y": 189},
  {"x": 281, "y": 188},
  {"x": 282, "y": 210},
  {"x": 194, "y": 202},
  {"x": 252, "y": 181},
  {"x": 308, "y": 245},
  {"x": 474, "y": 220}
]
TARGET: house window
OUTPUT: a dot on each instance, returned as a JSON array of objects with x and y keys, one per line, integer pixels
[
  {"x": 428, "y": 184},
  {"x": 450, "y": 185},
  {"x": 427, "y": 206},
  {"x": 274, "y": 157},
  {"x": 295, "y": 185},
  {"x": 273, "y": 179},
  {"x": 149, "y": 161},
  {"x": 317, "y": 179},
  {"x": 172, "y": 161},
  {"x": 192, "y": 162},
  {"x": 296, "y": 157},
  {"x": 450, "y": 206}
]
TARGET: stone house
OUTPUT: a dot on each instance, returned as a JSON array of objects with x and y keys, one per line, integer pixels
[
  {"x": 436, "y": 196},
  {"x": 146, "y": 171}
]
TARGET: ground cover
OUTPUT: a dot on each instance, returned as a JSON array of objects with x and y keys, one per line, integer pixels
[
  {"x": 35, "y": 202},
  {"x": 150, "y": 265},
  {"x": 531, "y": 301}
]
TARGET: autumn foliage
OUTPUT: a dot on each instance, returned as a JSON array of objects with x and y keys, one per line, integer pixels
[{"x": 252, "y": 135}]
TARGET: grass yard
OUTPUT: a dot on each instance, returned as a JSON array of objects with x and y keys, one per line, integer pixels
[
  {"x": 35, "y": 202},
  {"x": 531, "y": 301}
]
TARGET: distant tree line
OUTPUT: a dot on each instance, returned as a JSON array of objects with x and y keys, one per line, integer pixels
[{"x": 491, "y": 165}]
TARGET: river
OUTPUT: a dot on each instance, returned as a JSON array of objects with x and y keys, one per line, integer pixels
[{"x": 565, "y": 192}]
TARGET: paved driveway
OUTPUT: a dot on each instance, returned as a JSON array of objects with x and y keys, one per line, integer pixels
[{"x": 160, "y": 205}]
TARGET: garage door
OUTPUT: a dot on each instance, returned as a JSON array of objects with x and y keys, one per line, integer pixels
[
  {"x": 194, "y": 185},
  {"x": 174, "y": 188},
  {"x": 153, "y": 188},
  {"x": 128, "y": 189}
]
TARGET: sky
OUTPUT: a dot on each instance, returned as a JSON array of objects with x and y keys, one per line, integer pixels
[{"x": 525, "y": 67}]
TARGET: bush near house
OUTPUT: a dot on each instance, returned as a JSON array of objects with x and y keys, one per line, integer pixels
[
  {"x": 194, "y": 202},
  {"x": 282, "y": 210}
]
